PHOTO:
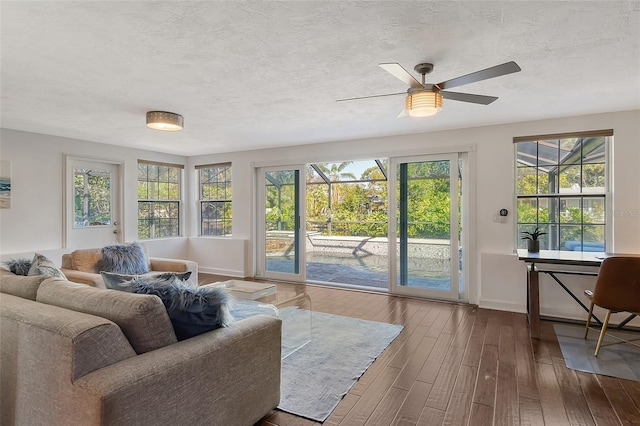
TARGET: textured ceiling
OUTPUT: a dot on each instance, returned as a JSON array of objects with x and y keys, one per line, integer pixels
[{"x": 249, "y": 75}]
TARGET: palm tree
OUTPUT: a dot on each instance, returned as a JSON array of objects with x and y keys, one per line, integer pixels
[{"x": 335, "y": 172}]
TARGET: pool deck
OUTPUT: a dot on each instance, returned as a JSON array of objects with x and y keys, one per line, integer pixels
[{"x": 354, "y": 275}]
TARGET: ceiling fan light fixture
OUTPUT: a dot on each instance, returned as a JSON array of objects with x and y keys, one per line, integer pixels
[
  {"x": 423, "y": 104},
  {"x": 165, "y": 121}
]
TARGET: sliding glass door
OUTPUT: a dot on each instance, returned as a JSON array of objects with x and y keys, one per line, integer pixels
[
  {"x": 425, "y": 208},
  {"x": 281, "y": 230}
]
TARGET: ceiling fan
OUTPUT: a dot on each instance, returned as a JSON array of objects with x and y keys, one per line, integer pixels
[{"x": 426, "y": 99}]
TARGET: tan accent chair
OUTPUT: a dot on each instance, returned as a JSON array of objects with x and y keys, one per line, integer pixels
[
  {"x": 617, "y": 290},
  {"x": 81, "y": 266}
]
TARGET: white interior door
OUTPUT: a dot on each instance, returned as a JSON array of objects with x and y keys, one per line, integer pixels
[
  {"x": 281, "y": 232},
  {"x": 93, "y": 203}
]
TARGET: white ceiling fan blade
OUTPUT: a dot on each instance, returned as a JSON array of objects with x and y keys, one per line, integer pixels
[
  {"x": 401, "y": 74},
  {"x": 402, "y": 114}
]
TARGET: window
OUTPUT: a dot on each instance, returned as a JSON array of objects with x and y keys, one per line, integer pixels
[
  {"x": 561, "y": 187},
  {"x": 158, "y": 199},
  {"x": 92, "y": 197},
  {"x": 215, "y": 199}
]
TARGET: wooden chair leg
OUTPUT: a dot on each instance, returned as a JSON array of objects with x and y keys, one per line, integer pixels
[
  {"x": 586, "y": 329},
  {"x": 603, "y": 331}
]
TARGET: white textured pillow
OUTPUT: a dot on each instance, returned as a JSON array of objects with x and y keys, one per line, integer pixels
[{"x": 42, "y": 265}]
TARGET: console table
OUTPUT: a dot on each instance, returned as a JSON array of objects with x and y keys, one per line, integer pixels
[{"x": 557, "y": 257}]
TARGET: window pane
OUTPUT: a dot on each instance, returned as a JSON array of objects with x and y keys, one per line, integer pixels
[
  {"x": 174, "y": 191},
  {"x": 570, "y": 179},
  {"x": 527, "y": 210},
  {"x": 174, "y": 175},
  {"x": 153, "y": 190},
  {"x": 570, "y": 237},
  {"x": 593, "y": 210},
  {"x": 142, "y": 171},
  {"x": 594, "y": 234},
  {"x": 548, "y": 152},
  {"x": 163, "y": 174},
  {"x": 547, "y": 182},
  {"x": 593, "y": 178},
  {"x": 152, "y": 172},
  {"x": 92, "y": 197},
  {"x": 526, "y": 180},
  {"x": 215, "y": 204},
  {"x": 163, "y": 190},
  {"x": 570, "y": 210},
  {"x": 548, "y": 210}
]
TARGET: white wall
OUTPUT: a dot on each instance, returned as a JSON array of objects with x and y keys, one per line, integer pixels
[
  {"x": 35, "y": 222},
  {"x": 35, "y": 219},
  {"x": 499, "y": 281}
]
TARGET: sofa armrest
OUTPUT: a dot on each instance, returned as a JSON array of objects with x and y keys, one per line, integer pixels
[
  {"x": 94, "y": 280},
  {"x": 176, "y": 265},
  {"x": 226, "y": 376}
]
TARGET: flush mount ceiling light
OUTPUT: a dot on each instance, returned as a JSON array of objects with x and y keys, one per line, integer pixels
[{"x": 166, "y": 121}]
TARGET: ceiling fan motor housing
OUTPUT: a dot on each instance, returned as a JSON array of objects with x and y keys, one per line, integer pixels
[{"x": 423, "y": 68}]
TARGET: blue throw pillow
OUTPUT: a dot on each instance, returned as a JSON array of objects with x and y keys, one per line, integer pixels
[
  {"x": 191, "y": 311},
  {"x": 124, "y": 259},
  {"x": 18, "y": 266},
  {"x": 124, "y": 282}
]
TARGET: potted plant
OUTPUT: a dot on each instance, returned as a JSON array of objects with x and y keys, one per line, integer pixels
[{"x": 533, "y": 244}]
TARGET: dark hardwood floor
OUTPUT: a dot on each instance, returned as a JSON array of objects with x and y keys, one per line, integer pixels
[{"x": 460, "y": 365}]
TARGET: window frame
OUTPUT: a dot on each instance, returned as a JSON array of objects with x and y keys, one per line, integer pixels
[
  {"x": 153, "y": 203},
  {"x": 558, "y": 196},
  {"x": 227, "y": 203}
]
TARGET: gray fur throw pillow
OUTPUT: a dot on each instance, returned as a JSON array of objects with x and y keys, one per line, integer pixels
[
  {"x": 18, "y": 266},
  {"x": 191, "y": 311},
  {"x": 124, "y": 282},
  {"x": 124, "y": 259}
]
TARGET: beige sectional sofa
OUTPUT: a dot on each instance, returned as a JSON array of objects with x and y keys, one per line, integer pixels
[
  {"x": 81, "y": 266},
  {"x": 72, "y": 354}
]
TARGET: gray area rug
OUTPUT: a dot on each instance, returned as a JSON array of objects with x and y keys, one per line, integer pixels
[
  {"x": 317, "y": 375},
  {"x": 621, "y": 360}
]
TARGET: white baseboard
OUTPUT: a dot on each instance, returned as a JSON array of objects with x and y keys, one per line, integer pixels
[
  {"x": 217, "y": 271},
  {"x": 502, "y": 306}
]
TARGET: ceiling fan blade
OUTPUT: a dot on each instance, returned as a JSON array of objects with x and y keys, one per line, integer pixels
[
  {"x": 368, "y": 97},
  {"x": 497, "y": 71},
  {"x": 468, "y": 97},
  {"x": 401, "y": 74}
]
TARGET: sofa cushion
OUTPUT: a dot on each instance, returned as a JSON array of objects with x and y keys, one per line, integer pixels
[
  {"x": 19, "y": 266},
  {"x": 70, "y": 344},
  {"x": 86, "y": 260},
  {"x": 42, "y": 265},
  {"x": 142, "y": 318},
  {"x": 192, "y": 311},
  {"x": 124, "y": 259},
  {"x": 21, "y": 286}
]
